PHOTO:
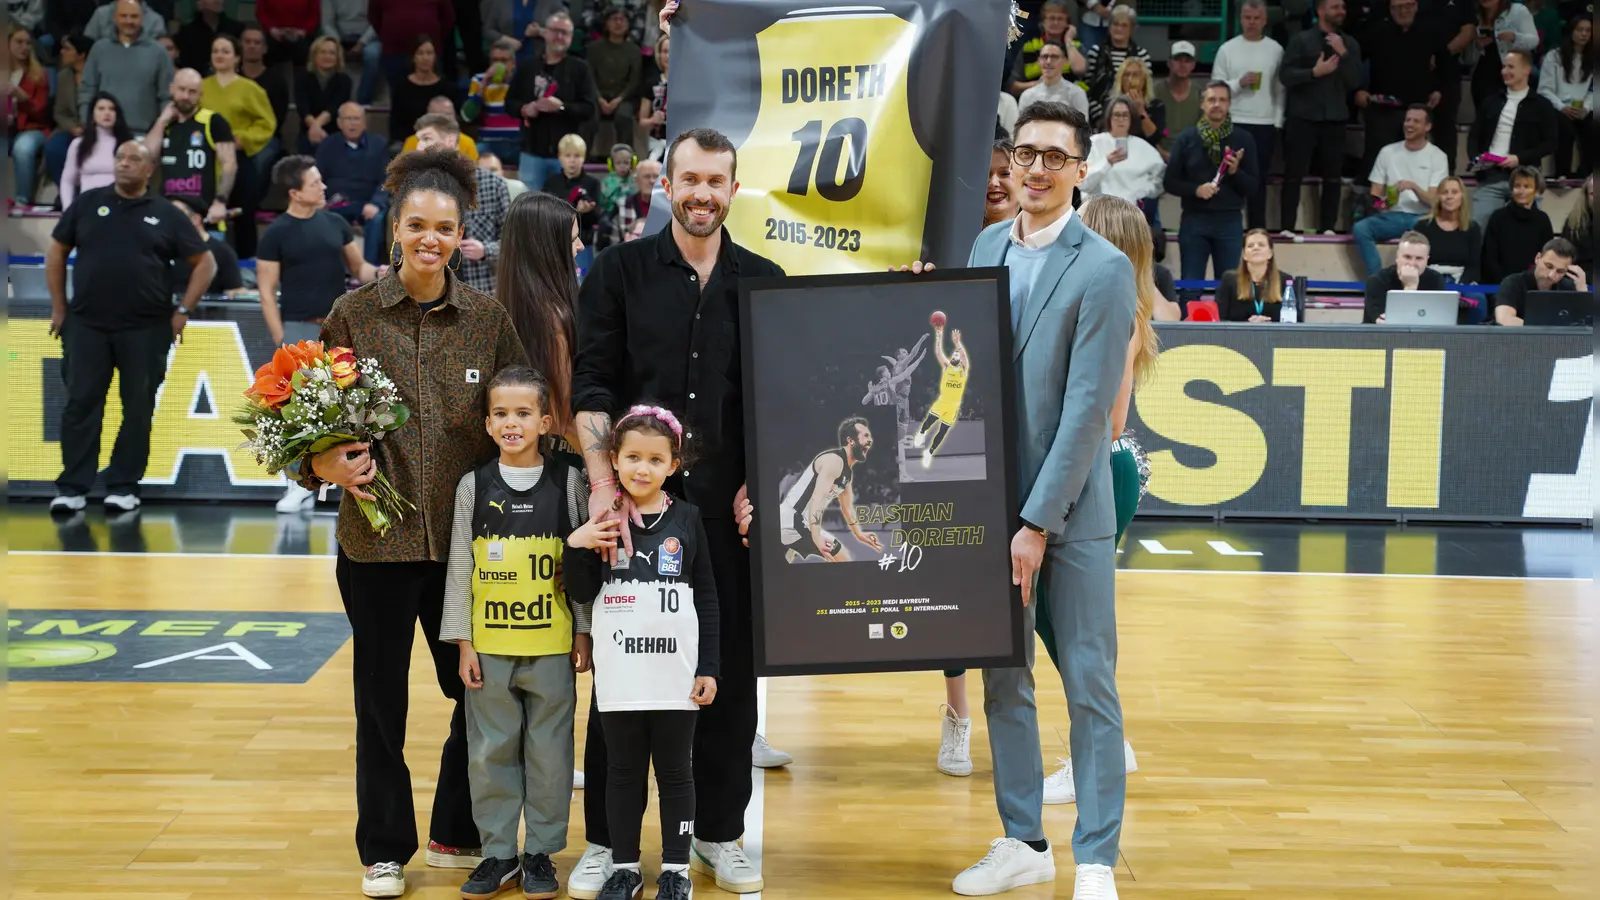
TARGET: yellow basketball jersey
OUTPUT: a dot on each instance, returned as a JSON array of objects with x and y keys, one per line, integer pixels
[
  {"x": 832, "y": 178},
  {"x": 516, "y": 608},
  {"x": 951, "y": 388}
]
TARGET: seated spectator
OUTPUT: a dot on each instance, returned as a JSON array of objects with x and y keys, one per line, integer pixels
[
  {"x": 249, "y": 113},
  {"x": 1166, "y": 308},
  {"x": 618, "y": 183},
  {"x": 194, "y": 39},
  {"x": 1567, "y": 80},
  {"x": 290, "y": 26},
  {"x": 573, "y": 185},
  {"x": 103, "y": 24},
  {"x": 1579, "y": 228},
  {"x": 1515, "y": 124},
  {"x": 1001, "y": 200},
  {"x": 1403, "y": 179},
  {"x": 346, "y": 22},
  {"x": 92, "y": 158},
  {"x": 1553, "y": 270},
  {"x": 400, "y": 23},
  {"x": 1410, "y": 272},
  {"x": 514, "y": 186},
  {"x": 653, "y": 101},
  {"x": 1052, "y": 85},
  {"x": 1055, "y": 25},
  {"x": 1176, "y": 98},
  {"x": 498, "y": 130},
  {"x": 227, "y": 281},
  {"x": 480, "y": 227},
  {"x": 618, "y": 66},
  {"x": 632, "y": 212},
  {"x": 253, "y": 48},
  {"x": 1105, "y": 60},
  {"x": 1122, "y": 164},
  {"x": 69, "y": 124},
  {"x": 1516, "y": 232},
  {"x": 353, "y": 166},
  {"x": 1213, "y": 169},
  {"x": 411, "y": 96},
  {"x": 1455, "y": 242},
  {"x": 1254, "y": 291},
  {"x": 28, "y": 108},
  {"x": 319, "y": 91},
  {"x": 444, "y": 106}
]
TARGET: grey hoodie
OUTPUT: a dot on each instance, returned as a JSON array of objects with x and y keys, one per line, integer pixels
[{"x": 139, "y": 75}]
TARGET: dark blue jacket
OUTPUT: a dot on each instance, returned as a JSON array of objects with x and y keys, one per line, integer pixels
[
  {"x": 354, "y": 174},
  {"x": 1189, "y": 167}
]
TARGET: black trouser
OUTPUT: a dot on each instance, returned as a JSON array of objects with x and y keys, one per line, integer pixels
[
  {"x": 469, "y": 23},
  {"x": 138, "y": 354},
  {"x": 1266, "y": 139},
  {"x": 1304, "y": 140},
  {"x": 1569, "y": 132},
  {"x": 384, "y": 601},
  {"x": 637, "y": 738},
  {"x": 1384, "y": 126},
  {"x": 248, "y": 190},
  {"x": 725, "y": 729},
  {"x": 1445, "y": 135}
]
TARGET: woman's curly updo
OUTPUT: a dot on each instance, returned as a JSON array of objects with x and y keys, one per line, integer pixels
[{"x": 445, "y": 171}]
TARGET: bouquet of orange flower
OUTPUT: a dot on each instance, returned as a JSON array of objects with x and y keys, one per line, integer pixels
[{"x": 307, "y": 400}]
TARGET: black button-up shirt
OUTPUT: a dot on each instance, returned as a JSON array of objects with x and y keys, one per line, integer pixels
[{"x": 648, "y": 331}]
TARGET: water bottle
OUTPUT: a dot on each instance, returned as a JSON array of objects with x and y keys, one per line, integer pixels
[{"x": 1290, "y": 310}]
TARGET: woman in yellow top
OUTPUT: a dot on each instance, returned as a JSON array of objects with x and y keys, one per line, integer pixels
[
  {"x": 943, "y": 413},
  {"x": 249, "y": 113}
]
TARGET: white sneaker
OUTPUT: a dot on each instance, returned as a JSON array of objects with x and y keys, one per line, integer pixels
[
  {"x": 122, "y": 502},
  {"x": 296, "y": 498},
  {"x": 577, "y": 779},
  {"x": 385, "y": 879},
  {"x": 927, "y": 459},
  {"x": 764, "y": 756},
  {"x": 918, "y": 439},
  {"x": 68, "y": 503},
  {"x": 590, "y": 874},
  {"x": 1094, "y": 883},
  {"x": 726, "y": 862},
  {"x": 1058, "y": 786},
  {"x": 955, "y": 744},
  {"x": 1009, "y": 864}
]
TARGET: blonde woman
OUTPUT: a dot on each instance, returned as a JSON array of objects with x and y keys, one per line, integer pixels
[
  {"x": 320, "y": 90},
  {"x": 1149, "y": 113},
  {"x": 1455, "y": 241}
]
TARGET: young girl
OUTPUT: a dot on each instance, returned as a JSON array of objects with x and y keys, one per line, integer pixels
[
  {"x": 656, "y": 661},
  {"x": 521, "y": 640}
]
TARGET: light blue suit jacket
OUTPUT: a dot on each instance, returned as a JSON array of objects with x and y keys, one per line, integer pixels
[{"x": 1069, "y": 351}]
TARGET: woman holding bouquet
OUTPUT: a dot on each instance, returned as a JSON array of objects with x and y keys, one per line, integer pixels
[{"x": 440, "y": 341}]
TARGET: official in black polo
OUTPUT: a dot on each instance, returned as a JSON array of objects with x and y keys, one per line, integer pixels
[
  {"x": 121, "y": 318},
  {"x": 658, "y": 321}
]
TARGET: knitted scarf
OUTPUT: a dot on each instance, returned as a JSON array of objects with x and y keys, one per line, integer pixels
[{"x": 1213, "y": 139}]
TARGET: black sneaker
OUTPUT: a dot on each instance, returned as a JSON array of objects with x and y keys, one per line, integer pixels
[
  {"x": 539, "y": 877},
  {"x": 674, "y": 886},
  {"x": 624, "y": 884},
  {"x": 490, "y": 878}
]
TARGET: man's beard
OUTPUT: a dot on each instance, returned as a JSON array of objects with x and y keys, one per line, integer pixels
[
  {"x": 860, "y": 452},
  {"x": 680, "y": 211},
  {"x": 185, "y": 107}
]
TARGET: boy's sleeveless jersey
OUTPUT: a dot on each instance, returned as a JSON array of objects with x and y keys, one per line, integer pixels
[
  {"x": 517, "y": 543},
  {"x": 646, "y": 630},
  {"x": 845, "y": 180}
]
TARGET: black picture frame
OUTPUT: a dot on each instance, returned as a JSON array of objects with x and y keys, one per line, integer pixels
[{"x": 988, "y": 293}]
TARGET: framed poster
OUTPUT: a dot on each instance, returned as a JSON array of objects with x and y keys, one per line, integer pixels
[{"x": 878, "y": 428}]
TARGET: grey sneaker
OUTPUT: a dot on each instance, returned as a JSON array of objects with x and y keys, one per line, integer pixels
[
  {"x": 122, "y": 502},
  {"x": 539, "y": 877},
  {"x": 491, "y": 877},
  {"x": 674, "y": 886},
  {"x": 624, "y": 884}
]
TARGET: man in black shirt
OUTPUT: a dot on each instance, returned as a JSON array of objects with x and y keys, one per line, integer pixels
[
  {"x": 1553, "y": 270},
  {"x": 1410, "y": 272},
  {"x": 555, "y": 95},
  {"x": 307, "y": 251},
  {"x": 198, "y": 155},
  {"x": 1321, "y": 66},
  {"x": 121, "y": 319},
  {"x": 227, "y": 280},
  {"x": 658, "y": 321}
]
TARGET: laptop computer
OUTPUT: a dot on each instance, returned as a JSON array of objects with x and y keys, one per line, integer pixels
[
  {"x": 1431, "y": 308},
  {"x": 1558, "y": 308}
]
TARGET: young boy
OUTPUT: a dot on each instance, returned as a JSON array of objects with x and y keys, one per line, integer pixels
[
  {"x": 618, "y": 184},
  {"x": 581, "y": 190},
  {"x": 521, "y": 642}
]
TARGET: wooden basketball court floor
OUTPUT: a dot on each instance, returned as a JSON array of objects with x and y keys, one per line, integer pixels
[{"x": 1298, "y": 736}]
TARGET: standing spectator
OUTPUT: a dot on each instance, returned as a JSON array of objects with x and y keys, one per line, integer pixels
[
  {"x": 653, "y": 101},
  {"x": 580, "y": 189},
  {"x": 1403, "y": 180},
  {"x": 1055, "y": 26},
  {"x": 400, "y": 23},
  {"x": 199, "y": 156},
  {"x": 1517, "y": 125},
  {"x": 518, "y": 20},
  {"x": 1453, "y": 24},
  {"x": 103, "y": 25},
  {"x": 1212, "y": 184},
  {"x": 69, "y": 125},
  {"x": 92, "y": 157},
  {"x": 618, "y": 183},
  {"x": 253, "y": 50},
  {"x": 121, "y": 319},
  {"x": 1410, "y": 272},
  {"x": 514, "y": 186},
  {"x": 1177, "y": 93},
  {"x": 469, "y": 29},
  {"x": 1403, "y": 56},
  {"x": 1123, "y": 164},
  {"x": 1104, "y": 60},
  {"x": 319, "y": 91},
  {"x": 1052, "y": 86},
  {"x": 411, "y": 96},
  {"x": 1503, "y": 26},
  {"x": 1455, "y": 241},
  {"x": 1567, "y": 80},
  {"x": 346, "y": 21},
  {"x": 1253, "y": 292},
  {"x": 1095, "y": 15},
  {"x": 290, "y": 26},
  {"x": 249, "y": 113},
  {"x": 1579, "y": 227},
  {"x": 132, "y": 68},
  {"x": 442, "y": 106},
  {"x": 194, "y": 39},
  {"x": 555, "y": 95},
  {"x": 1516, "y": 231},
  {"x": 617, "y": 65},
  {"x": 1321, "y": 66},
  {"x": 352, "y": 167},
  {"x": 227, "y": 280},
  {"x": 28, "y": 105},
  {"x": 480, "y": 239},
  {"x": 592, "y": 21},
  {"x": 1249, "y": 64},
  {"x": 498, "y": 129},
  {"x": 1149, "y": 111},
  {"x": 1546, "y": 20},
  {"x": 1553, "y": 270}
]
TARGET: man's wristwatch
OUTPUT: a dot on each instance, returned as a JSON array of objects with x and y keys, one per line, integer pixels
[
  {"x": 1034, "y": 528},
  {"x": 183, "y": 310}
]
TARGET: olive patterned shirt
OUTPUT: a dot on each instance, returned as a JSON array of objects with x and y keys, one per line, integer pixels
[{"x": 441, "y": 361}]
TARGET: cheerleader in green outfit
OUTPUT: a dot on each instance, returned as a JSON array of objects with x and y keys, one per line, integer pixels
[{"x": 1121, "y": 223}]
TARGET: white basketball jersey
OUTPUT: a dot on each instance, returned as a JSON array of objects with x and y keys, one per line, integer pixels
[{"x": 645, "y": 626}]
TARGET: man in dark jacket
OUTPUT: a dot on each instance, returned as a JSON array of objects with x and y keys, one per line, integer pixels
[
  {"x": 1214, "y": 169},
  {"x": 353, "y": 167},
  {"x": 1404, "y": 58},
  {"x": 555, "y": 95},
  {"x": 1410, "y": 272},
  {"x": 1516, "y": 124},
  {"x": 1321, "y": 66}
]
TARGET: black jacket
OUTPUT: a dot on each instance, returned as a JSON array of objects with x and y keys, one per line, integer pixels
[
  {"x": 1513, "y": 237},
  {"x": 1325, "y": 99},
  {"x": 1190, "y": 166},
  {"x": 574, "y": 87},
  {"x": 1533, "y": 134},
  {"x": 1403, "y": 62}
]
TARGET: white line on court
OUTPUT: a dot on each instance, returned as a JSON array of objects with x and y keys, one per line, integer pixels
[{"x": 755, "y": 813}]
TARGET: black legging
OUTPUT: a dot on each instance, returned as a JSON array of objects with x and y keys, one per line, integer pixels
[
  {"x": 939, "y": 433},
  {"x": 633, "y": 740}
]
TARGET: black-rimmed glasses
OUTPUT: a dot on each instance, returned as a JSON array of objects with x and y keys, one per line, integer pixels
[{"x": 1054, "y": 160}]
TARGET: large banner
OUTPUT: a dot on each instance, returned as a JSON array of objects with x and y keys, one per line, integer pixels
[
  {"x": 863, "y": 130},
  {"x": 1489, "y": 424},
  {"x": 880, "y": 464}
]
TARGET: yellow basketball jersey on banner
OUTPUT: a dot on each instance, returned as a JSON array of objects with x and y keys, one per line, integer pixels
[
  {"x": 832, "y": 178},
  {"x": 516, "y": 608},
  {"x": 952, "y": 386}
]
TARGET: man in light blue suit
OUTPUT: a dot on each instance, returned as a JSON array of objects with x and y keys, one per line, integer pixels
[{"x": 1072, "y": 314}]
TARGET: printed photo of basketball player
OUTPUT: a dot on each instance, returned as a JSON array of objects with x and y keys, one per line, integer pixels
[
  {"x": 966, "y": 462},
  {"x": 829, "y": 478}
]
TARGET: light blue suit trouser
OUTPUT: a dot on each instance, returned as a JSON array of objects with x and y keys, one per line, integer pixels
[{"x": 1078, "y": 580}]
